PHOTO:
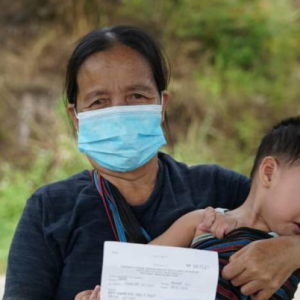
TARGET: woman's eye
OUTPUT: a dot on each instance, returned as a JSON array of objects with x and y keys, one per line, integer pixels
[
  {"x": 98, "y": 102},
  {"x": 138, "y": 97}
]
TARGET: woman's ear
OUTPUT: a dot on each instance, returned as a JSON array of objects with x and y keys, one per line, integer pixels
[
  {"x": 72, "y": 115},
  {"x": 165, "y": 100},
  {"x": 267, "y": 168}
]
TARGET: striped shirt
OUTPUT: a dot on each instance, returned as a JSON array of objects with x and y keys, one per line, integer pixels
[{"x": 230, "y": 244}]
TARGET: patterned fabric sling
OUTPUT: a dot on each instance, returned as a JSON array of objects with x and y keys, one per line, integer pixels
[{"x": 123, "y": 222}]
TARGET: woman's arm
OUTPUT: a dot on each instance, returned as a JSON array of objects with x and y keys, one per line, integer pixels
[
  {"x": 182, "y": 232},
  {"x": 261, "y": 267},
  {"x": 32, "y": 271}
]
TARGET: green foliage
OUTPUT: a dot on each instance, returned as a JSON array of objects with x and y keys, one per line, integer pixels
[
  {"x": 248, "y": 74},
  {"x": 240, "y": 33}
]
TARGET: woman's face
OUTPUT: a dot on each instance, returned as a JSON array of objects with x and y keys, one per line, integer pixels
[{"x": 117, "y": 76}]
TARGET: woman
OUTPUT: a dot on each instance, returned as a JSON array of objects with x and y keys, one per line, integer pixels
[{"x": 116, "y": 88}]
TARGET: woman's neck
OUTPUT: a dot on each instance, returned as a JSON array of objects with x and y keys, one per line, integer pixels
[{"x": 136, "y": 186}]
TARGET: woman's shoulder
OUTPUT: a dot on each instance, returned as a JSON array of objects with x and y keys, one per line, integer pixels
[
  {"x": 218, "y": 185},
  {"x": 72, "y": 184},
  {"x": 58, "y": 201},
  {"x": 67, "y": 192},
  {"x": 202, "y": 170}
]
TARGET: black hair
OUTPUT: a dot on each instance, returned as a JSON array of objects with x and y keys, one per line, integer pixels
[
  {"x": 106, "y": 38},
  {"x": 282, "y": 142}
]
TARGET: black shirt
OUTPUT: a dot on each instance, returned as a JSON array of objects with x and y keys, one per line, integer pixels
[{"x": 57, "y": 248}]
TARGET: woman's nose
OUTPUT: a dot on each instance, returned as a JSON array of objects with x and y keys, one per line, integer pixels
[{"x": 118, "y": 101}]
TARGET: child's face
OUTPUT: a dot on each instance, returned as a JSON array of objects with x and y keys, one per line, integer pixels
[{"x": 281, "y": 210}]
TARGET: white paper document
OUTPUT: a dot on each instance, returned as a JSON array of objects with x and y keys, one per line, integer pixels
[{"x": 147, "y": 272}]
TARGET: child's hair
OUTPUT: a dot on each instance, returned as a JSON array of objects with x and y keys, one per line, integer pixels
[{"x": 282, "y": 142}]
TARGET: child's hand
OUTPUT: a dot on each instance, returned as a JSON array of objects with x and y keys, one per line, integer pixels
[
  {"x": 89, "y": 294},
  {"x": 216, "y": 223},
  {"x": 209, "y": 218}
]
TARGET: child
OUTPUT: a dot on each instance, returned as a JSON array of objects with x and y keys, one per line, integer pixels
[
  {"x": 273, "y": 202},
  {"x": 272, "y": 208},
  {"x": 273, "y": 205}
]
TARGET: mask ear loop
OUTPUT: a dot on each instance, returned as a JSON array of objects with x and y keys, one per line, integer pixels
[
  {"x": 75, "y": 112},
  {"x": 162, "y": 98},
  {"x": 76, "y": 115},
  {"x": 162, "y": 105}
]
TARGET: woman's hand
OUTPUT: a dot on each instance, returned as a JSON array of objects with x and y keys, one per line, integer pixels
[
  {"x": 217, "y": 224},
  {"x": 262, "y": 267},
  {"x": 89, "y": 294}
]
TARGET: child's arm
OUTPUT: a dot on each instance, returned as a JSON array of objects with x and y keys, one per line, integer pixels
[{"x": 182, "y": 232}]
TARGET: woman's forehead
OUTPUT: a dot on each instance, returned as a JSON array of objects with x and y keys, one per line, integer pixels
[
  {"x": 119, "y": 67},
  {"x": 118, "y": 57}
]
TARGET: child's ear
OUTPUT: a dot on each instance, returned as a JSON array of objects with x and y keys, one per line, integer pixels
[{"x": 267, "y": 168}]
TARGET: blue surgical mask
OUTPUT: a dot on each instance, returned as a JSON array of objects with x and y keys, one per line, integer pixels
[{"x": 121, "y": 138}]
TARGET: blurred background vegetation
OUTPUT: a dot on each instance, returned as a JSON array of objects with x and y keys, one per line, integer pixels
[{"x": 235, "y": 65}]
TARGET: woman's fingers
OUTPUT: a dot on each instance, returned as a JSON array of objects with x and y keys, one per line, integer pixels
[
  {"x": 82, "y": 295},
  {"x": 89, "y": 294},
  {"x": 96, "y": 293}
]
